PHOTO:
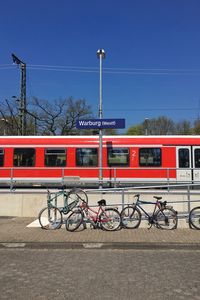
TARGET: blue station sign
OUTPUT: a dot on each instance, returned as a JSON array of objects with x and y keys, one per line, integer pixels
[{"x": 100, "y": 123}]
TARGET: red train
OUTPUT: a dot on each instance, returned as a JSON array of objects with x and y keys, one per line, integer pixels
[{"x": 125, "y": 159}]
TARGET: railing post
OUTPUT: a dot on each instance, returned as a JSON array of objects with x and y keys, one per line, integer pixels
[
  {"x": 11, "y": 179},
  {"x": 188, "y": 196},
  {"x": 168, "y": 179},
  {"x": 63, "y": 177},
  {"x": 115, "y": 178},
  {"x": 122, "y": 198}
]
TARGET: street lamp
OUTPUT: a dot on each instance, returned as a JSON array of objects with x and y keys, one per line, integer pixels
[
  {"x": 146, "y": 123},
  {"x": 6, "y": 124},
  {"x": 101, "y": 56}
]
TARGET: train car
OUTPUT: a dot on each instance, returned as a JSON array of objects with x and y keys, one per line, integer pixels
[{"x": 125, "y": 159}]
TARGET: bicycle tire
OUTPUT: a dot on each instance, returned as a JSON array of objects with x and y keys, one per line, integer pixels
[
  {"x": 50, "y": 218},
  {"x": 194, "y": 217},
  {"x": 110, "y": 219},
  {"x": 75, "y": 197},
  {"x": 74, "y": 220},
  {"x": 131, "y": 217},
  {"x": 166, "y": 218}
]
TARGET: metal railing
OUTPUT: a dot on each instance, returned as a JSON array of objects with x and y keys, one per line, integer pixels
[
  {"x": 115, "y": 176},
  {"x": 191, "y": 193}
]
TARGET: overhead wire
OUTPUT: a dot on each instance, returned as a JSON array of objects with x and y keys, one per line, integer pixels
[
  {"x": 108, "y": 70},
  {"x": 131, "y": 71}
]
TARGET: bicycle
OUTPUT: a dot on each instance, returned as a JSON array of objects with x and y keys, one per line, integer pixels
[
  {"x": 105, "y": 218},
  {"x": 194, "y": 218},
  {"x": 51, "y": 216},
  {"x": 163, "y": 216}
]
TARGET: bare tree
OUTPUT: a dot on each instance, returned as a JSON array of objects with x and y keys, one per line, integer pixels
[
  {"x": 183, "y": 127},
  {"x": 59, "y": 117},
  {"x": 9, "y": 117},
  {"x": 196, "y": 128},
  {"x": 156, "y": 126},
  {"x": 161, "y": 126},
  {"x": 44, "y": 117}
]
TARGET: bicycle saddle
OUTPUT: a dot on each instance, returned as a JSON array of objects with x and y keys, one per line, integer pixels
[
  {"x": 102, "y": 202},
  {"x": 158, "y": 198}
]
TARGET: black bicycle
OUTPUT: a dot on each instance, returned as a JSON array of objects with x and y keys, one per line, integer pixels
[
  {"x": 163, "y": 216},
  {"x": 194, "y": 218}
]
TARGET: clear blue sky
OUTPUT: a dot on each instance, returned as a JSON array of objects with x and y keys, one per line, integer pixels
[{"x": 152, "y": 64}]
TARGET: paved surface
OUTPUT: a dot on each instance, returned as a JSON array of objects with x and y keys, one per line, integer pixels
[
  {"x": 15, "y": 233},
  {"x": 74, "y": 274}
]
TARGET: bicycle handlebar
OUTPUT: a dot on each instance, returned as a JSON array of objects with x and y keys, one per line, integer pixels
[{"x": 161, "y": 203}]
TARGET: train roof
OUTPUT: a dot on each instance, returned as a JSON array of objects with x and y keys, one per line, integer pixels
[{"x": 109, "y": 140}]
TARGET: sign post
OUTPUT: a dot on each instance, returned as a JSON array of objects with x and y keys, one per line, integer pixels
[
  {"x": 101, "y": 56},
  {"x": 100, "y": 123}
]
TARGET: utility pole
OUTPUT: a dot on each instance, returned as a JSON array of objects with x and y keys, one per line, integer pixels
[{"x": 22, "y": 106}]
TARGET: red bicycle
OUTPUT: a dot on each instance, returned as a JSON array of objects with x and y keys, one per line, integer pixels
[{"x": 105, "y": 218}]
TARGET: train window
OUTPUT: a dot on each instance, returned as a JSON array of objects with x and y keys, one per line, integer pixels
[
  {"x": 118, "y": 156},
  {"x": 55, "y": 157},
  {"x": 150, "y": 157},
  {"x": 1, "y": 157},
  {"x": 86, "y": 157},
  {"x": 24, "y": 157},
  {"x": 197, "y": 158},
  {"x": 184, "y": 159}
]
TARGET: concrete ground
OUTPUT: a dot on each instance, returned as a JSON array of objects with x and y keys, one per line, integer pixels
[{"x": 15, "y": 233}]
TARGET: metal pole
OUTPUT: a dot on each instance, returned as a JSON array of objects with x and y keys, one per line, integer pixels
[
  {"x": 101, "y": 55},
  {"x": 23, "y": 99},
  {"x": 22, "y": 107},
  {"x": 146, "y": 122}
]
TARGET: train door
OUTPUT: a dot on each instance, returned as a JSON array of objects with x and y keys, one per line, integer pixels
[
  {"x": 196, "y": 163},
  {"x": 184, "y": 164}
]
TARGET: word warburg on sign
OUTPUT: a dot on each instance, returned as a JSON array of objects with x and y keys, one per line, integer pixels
[{"x": 100, "y": 123}]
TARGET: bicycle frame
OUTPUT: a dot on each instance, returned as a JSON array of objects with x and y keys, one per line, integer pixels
[
  {"x": 54, "y": 197},
  {"x": 92, "y": 215},
  {"x": 156, "y": 206}
]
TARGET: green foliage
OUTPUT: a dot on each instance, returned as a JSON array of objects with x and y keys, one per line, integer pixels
[
  {"x": 135, "y": 130},
  {"x": 164, "y": 126}
]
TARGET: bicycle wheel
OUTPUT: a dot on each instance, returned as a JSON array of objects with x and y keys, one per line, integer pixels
[
  {"x": 110, "y": 219},
  {"x": 166, "y": 218},
  {"x": 194, "y": 217},
  {"x": 131, "y": 217},
  {"x": 75, "y": 197},
  {"x": 74, "y": 220},
  {"x": 50, "y": 218}
]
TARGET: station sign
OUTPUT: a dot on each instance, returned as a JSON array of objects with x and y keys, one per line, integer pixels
[{"x": 100, "y": 123}]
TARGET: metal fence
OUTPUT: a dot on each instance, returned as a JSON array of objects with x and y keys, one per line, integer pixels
[
  {"x": 182, "y": 197},
  {"x": 112, "y": 176}
]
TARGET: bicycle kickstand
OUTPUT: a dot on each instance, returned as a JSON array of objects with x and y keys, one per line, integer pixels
[{"x": 150, "y": 225}]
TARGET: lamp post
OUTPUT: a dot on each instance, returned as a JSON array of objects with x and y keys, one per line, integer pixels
[
  {"x": 5, "y": 126},
  {"x": 101, "y": 56},
  {"x": 146, "y": 122}
]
